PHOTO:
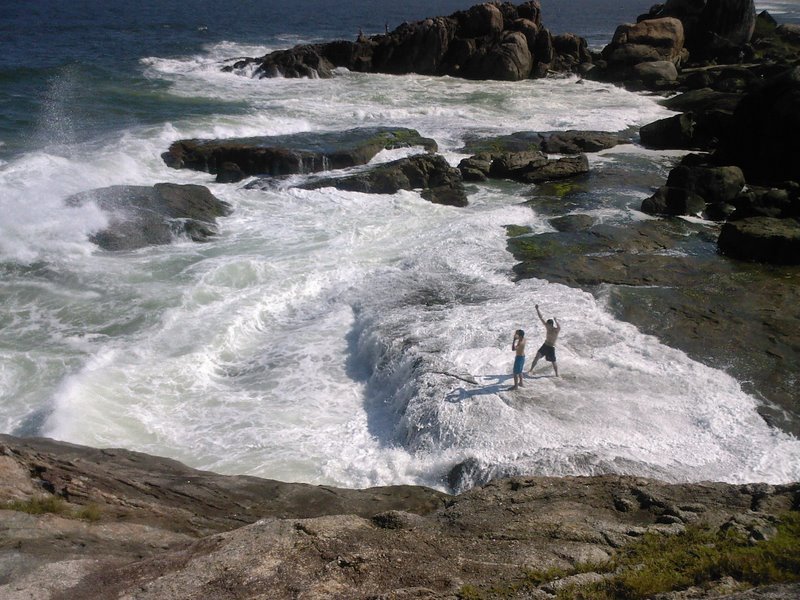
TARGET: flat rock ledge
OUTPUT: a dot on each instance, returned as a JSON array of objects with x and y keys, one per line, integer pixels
[
  {"x": 235, "y": 159},
  {"x": 129, "y": 525}
]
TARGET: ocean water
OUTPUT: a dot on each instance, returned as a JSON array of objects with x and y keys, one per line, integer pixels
[{"x": 324, "y": 336}]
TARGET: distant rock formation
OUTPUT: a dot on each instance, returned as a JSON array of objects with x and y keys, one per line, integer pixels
[{"x": 498, "y": 41}]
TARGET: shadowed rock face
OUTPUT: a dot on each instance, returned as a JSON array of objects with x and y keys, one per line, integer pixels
[
  {"x": 162, "y": 530},
  {"x": 765, "y": 130},
  {"x": 142, "y": 216},
  {"x": 712, "y": 27}
]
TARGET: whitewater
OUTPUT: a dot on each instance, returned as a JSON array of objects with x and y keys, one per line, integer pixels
[{"x": 345, "y": 338}]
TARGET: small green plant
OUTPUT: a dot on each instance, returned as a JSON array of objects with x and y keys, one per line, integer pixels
[
  {"x": 90, "y": 512},
  {"x": 700, "y": 557},
  {"x": 656, "y": 564},
  {"x": 38, "y": 505}
]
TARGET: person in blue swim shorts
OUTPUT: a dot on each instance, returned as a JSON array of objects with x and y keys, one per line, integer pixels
[{"x": 518, "y": 346}]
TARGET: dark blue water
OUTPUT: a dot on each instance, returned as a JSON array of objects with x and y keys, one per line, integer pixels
[{"x": 74, "y": 67}]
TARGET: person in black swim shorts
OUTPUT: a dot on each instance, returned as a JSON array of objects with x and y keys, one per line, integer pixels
[{"x": 548, "y": 349}]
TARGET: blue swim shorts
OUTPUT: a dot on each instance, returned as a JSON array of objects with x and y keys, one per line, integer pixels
[{"x": 519, "y": 362}]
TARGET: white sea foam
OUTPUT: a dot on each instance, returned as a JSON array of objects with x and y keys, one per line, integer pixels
[{"x": 328, "y": 336}]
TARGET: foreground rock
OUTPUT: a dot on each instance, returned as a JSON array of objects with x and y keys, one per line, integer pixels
[
  {"x": 438, "y": 181},
  {"x": 161, "y": 530},
  {"x": 233, "y": 159},
  {"x": 488, "y": 41},
  {"x": 141, "y": 216}
]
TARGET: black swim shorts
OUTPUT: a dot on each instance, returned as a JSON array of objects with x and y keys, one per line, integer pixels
[{"x": 548, "y": 351}]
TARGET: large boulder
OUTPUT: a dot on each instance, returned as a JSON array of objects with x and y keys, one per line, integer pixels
[
  {"x": 764, "y": 136},
  {"x": 290, "y": 154},
  {"x": 713, "y": 184},
  {"x": 508, "y": 59},
  {"x": 648, "y": 40},
  {"x": 690, "y": 188},
  {"x": 673, "y": 201},
  {"x": 762, "y": 239},
  {"x": 142, "y": 216},
  {"x": 440, "y": 183}
]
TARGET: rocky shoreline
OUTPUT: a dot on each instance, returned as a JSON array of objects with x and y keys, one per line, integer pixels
[
  {"x": 88, "y": 523},
  {"x": 129, "y": 525}
]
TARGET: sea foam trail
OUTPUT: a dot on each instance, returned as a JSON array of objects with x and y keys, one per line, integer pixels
[{"x": 334, "y": 337}]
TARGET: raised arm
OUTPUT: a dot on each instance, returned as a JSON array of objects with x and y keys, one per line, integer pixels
[{"x": 541, "y": 318}]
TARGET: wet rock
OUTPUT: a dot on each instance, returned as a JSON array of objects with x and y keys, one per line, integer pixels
[
  {"x": 763, "y": 239},
  {"x": 573, "y": 222},
  {"x": 440, "y": 183},
  {"x": 291, "y": 154},
  {"x": 142, "y": 216},
  {"x": 713, "y": 184},
  {"x": 576, "y": 142},
  {"x": 673, "y": 201}
]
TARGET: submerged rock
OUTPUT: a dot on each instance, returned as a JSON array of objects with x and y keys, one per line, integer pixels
[
  {"x": 291, "y": 154},
  {"x": 142, "y": 216}
]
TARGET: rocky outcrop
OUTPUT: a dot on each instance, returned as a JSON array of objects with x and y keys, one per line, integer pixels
[
  {"x": 290, "y": 154},
  {"x": 157, "y": 529},
  {"x": 143, "y": 216},
  {"x": 526, "y": 167},
  {"x": 499, "y": 41},
  {"x": 521, "y": 156},
  {"x": 438, "y": 181}
]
